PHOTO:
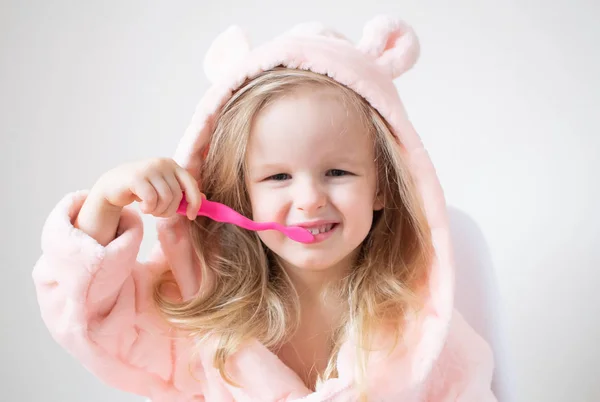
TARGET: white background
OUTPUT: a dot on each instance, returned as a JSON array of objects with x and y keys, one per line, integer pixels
[{"x": 505, "y": 97}]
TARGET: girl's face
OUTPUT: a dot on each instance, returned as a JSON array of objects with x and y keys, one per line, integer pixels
[{"x": 310, "y": 163}]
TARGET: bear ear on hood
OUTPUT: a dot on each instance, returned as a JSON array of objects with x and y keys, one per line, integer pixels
[
  {"x": 391, "y": 43},
  {"x": 228, "y": 49}
]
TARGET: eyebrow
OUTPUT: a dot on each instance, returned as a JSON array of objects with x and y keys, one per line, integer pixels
[
  {"x": 259, "y": 169},
  {"x": 264, "y": 166}
]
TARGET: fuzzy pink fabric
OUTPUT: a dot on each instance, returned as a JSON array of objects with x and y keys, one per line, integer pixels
[{"x": 97, "y": 301}]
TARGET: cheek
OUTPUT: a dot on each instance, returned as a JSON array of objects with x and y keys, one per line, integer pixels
[
  {"x": 356, "y": 199},
  {"x": 266, "y": 204},
  {"x": 356, "y": 204},
  {"x": 272, "y": 239}
]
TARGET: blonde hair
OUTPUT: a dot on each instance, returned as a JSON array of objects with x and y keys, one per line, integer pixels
[{"x": 251, "y": 296}]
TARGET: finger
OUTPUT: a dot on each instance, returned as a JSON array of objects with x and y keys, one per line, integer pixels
[
  {"x": 146, "y": 194},
  {"x": 176, "y": 190},
  {"x": 165, "y": 196},
  {"x": 192, "y": 192}
]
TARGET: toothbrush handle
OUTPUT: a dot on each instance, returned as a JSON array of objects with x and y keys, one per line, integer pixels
[{"x": 222, "y": 213}]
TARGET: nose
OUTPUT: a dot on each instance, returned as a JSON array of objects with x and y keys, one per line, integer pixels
[{"x": 310, "y": 196}]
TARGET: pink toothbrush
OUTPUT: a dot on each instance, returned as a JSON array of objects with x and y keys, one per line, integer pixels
[{"x": 222, "y": 213}]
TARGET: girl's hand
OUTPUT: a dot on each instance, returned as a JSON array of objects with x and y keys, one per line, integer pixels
[{"x": 157, "y": 184}]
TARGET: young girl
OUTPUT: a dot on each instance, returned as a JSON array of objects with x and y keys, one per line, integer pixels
[{"x": 305, "y": 130}]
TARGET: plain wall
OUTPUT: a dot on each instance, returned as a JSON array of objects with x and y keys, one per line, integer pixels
[{"x": 505, "y": 97}]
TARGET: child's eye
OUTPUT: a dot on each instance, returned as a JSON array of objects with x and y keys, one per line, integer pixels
[
  {"x": 337, "y": 173},
  {"x": 279, "y": 177}
]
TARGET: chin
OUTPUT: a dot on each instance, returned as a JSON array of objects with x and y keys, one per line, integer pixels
[{"x": 316, "y": 261}]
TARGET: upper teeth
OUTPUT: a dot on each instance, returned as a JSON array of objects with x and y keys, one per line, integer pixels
[{"x": 320, "y": 229}]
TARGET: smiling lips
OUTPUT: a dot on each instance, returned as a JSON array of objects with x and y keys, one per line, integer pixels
[{"x": 319, "y": 229}]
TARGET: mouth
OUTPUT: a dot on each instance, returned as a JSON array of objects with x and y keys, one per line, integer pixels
[
  {"x": 321, "y": 229},
  {"x": 318, "y": 228}
]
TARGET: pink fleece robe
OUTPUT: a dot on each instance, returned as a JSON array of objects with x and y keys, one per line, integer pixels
[{"x": 97, "y": 301}]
